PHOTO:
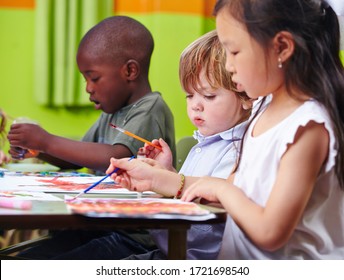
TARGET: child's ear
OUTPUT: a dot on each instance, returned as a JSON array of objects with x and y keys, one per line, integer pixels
[
  {"x": 131, "y": 69},
  {"x": 284, "y": 45}
]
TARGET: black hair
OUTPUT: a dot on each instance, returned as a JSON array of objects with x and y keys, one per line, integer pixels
[
  {"x": 118, "y": 39},
  {"x": 315, "y": 66}
]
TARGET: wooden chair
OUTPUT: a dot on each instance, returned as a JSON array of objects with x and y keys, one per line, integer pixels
[{"x": 13, "y": 241}]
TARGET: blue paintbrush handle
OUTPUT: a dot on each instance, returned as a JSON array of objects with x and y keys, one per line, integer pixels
[{"x": 97, "y": 183}]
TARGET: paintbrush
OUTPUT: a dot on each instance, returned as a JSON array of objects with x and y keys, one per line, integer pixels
[
  {"x": 135, "y": 136},
  {"x": 95, "y": 184}
]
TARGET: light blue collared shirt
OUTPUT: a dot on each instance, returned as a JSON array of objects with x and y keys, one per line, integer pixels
[{"x": 212, "y": 156}]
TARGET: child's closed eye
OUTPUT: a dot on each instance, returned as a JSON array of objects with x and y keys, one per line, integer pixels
[
  {"x": 95, "y": 79},
  {"x": 234, "y": 53},
  {"x": 209, "y": 97},
  {"x": 189, "y": 96}
]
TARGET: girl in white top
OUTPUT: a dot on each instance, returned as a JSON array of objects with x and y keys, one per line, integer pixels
[{"x": 285, "y": 200}]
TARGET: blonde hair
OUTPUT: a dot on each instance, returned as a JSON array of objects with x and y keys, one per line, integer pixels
[
  {"x": 206, "y": 53},
  {"x": 3, "y": 120}
]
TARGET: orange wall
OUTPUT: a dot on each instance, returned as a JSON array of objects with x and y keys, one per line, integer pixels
[
  {"x": 138, "y": 6},
  {"x": 17, "y": 4},
  {"x": 196, "y": 7}
]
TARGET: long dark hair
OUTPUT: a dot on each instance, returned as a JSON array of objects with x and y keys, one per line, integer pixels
[{"x": 315, "y": 67}]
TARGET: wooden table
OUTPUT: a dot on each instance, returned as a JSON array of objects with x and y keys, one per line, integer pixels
[{"x": 54, "y": 215}]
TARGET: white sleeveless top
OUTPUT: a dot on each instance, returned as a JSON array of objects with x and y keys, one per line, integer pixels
[{"x": 320, "y": 233}]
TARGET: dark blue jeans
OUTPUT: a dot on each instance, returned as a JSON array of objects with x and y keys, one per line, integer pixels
[{"x": 88, "y": 245}]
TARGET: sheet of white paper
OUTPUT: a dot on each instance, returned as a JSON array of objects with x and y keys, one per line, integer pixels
[{"x": 61, "y": 184}]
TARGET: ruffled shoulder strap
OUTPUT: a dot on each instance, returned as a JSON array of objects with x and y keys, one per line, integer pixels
[{"x": 311, "y": 111}]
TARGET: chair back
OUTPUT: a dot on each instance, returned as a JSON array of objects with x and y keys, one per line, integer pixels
[{"x": 182, "y": 149}]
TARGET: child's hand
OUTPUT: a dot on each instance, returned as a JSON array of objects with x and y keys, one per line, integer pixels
[
  {"x": 27, "y": 136},
  {"x": 208, "y": 188},
  {"x": 20, "y": 153},
  {"x": 164, "y": 157},
  {"x": 149, "y": 151},
  {"x": 143, "y": 175},
  {"x": 134, "y": 175}
]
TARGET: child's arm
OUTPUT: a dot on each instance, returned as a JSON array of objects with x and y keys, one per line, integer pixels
[
  {"x": 164, "y": 156},
  {"x": 271, "y": 226},
  {"x": 138, "y": 175},
  {"x": 63, "y": 152}
]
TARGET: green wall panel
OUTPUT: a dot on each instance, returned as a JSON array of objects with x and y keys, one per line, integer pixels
[
  {"x": 16, "y": 78},
  {"x": 171, "y": 32}
]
